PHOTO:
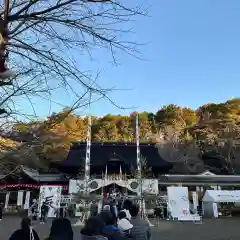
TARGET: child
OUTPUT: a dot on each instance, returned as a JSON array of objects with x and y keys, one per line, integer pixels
[{"x": 124, "y": 224}]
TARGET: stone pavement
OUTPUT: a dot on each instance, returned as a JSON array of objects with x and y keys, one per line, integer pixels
[{"x": 211, "y": 229}]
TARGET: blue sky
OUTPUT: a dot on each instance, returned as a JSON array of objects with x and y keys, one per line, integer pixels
[{"x": 192, "y": 57}]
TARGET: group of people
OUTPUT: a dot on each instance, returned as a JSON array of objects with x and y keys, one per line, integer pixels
[
  {"x": 44, "y": 210},
  {"x": 103, "y": 226},
  {"x": 121, "y": 226},
  {"x": 61, "y": 229}
]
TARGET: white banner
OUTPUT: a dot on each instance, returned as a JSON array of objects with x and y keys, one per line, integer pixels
[
  {"x": 215, "y": 210},
  {"x": 149, "y": 186},
  {"x": 195, "y": 200},
  {"x": 20, "y": 198},
  {"x": 27, "y": 200},
  {"x": 178, "y": 202},
  {"x": 222, "y": 196},
  {"x": 75, "y": 186},
  {"x": 7, "y": 200},
  {"x": 52, "y": 195}
]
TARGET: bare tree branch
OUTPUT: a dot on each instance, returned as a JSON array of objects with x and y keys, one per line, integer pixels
[
  {"x": 48, "y": 39},
  {"x": 47, "y": 43}
]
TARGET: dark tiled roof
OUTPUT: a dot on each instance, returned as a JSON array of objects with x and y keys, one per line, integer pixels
[
  {"x": 39, "y": 177},
  {"x": 200, "y": 179},
  {"x": 101, "y": 153},
  {"x": 212, "y": 159}
]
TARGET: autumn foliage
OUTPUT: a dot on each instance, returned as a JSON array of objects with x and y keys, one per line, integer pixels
[{"x": 212, "y": 127}]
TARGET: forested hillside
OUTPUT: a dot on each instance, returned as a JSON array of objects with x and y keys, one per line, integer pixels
[{"x": 181, "y": 131}]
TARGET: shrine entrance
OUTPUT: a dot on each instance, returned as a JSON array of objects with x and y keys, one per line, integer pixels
[
  {"x": 114, "y": 189},
  {"x": 111, "y": 168},
  {"x": 116, "y": 166}
]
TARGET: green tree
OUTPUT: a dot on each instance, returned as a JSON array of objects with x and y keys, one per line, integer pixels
[
  {"x": 107, "y": 132},
  {"x": 126, "y": 131},
  {"x": 189, "y": 116},
  {"x": 170, "y": 115},
  {"x": 145, "y": 126},
  {"x": 178, "y": 130}
]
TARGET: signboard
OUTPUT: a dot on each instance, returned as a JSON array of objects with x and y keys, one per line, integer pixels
[
  {"x": 149, "y": 186},
  {"x": 20, "y": 198},
  {"x": 51, "y": 195},
  {"x": 178, "y": 203},
  {"x": 195, "y": 200},
  {"x": 27, "y": 200},
  {"x": 7, "y": 200},
  {"x": 222, "y": 196},
  {"x": 76, "y": 186}
]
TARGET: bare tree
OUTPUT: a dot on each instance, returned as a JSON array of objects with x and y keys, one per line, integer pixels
[
  {"x": 48, "y": 40},
  {"x": 44, "y": 43}
]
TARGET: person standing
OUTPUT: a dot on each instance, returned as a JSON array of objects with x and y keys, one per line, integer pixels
[
  {"x": 1, "y": 210},
  {"x": 110, "y": 230},
  {"x": 141, "y": 229},
  {"x": 34, "y": 209},
  {"x": 61, "y": 229},
  {"x": 114, "y": 208},
  {"x": 93, "y": 209},
  {"x": 71, "y": 210},
  {"x": 93, "y": 229},
  {"x": 124, "y": 224},
  {"x": 26, "y": 232},
  {"x": 62, "y": 211},
  {"x": 126, "y": 207},
  {"x": 158, "y": 213},
  {"x": 44, "y": 212},
  {"x": 119, "y": 204}
]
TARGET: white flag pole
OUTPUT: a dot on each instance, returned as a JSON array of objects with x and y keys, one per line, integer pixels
[{"x": 88, "y": 152}]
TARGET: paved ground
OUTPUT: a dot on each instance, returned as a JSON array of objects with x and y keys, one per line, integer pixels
[{"x": 220, "y": 229}]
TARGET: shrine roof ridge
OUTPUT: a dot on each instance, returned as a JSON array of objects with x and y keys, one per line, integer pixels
[{"x": 115, "y": 143}]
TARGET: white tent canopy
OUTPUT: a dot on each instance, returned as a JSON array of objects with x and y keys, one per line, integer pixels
[{"x": 221, "y": 196}]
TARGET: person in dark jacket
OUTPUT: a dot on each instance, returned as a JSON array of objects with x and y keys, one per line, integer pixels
[
  {"x": 127, "y": 204},
  {"x": 25, "y": 232},
  {"x": 34, "y": 211},
  {"x": 114, "y": 210},
  {"x": 141, "y": 229},
  {"x": 158, "y": 213},
  {"x": 119, "y": 205},
  {"x": 1, "y": 210},
  {"x": 93, "y": 229},
  {"x": 110, "y": 230},
  {"x": 44, "y": 212},
  {"x": 61, "y": 229},
  {"x": 71, "y": 210},
  {"x": 94, "y": 209}
]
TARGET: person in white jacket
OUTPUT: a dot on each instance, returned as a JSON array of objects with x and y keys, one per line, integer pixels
[{"x": 124, "y": 224}]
